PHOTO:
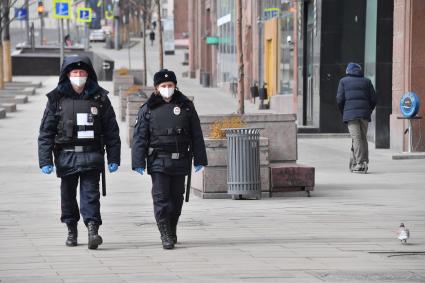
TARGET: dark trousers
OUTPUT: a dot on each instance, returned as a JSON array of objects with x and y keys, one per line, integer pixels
[
  {"x": 89, "y": 197},
  {"x": 167, "y": 195}
]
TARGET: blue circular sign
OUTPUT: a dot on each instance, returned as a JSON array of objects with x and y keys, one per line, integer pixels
[{"x": 409, "y": 104}]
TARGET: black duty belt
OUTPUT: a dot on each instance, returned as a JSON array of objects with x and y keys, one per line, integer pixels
[
  {"x": 172, "y": 155},
  {"x": 81, "y": 148},
  {"x": 169, "y": 132}
]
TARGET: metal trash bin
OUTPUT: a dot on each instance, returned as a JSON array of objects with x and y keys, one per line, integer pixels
[{"x": 243, "y": 162}]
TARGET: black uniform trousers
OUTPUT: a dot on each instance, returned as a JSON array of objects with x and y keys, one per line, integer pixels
[
  {"x": 89, "y": 197},
  {"x": 167, "y": 195}
]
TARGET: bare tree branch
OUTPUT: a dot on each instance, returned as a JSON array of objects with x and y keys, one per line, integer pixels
[{"x": 12, "y": 3}]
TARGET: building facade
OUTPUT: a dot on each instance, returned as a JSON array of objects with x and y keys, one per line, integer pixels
[
  {"x": 300, "y": 50},
  {"x": 408, "y": 69},
  {"x": 180, "y": 19}
]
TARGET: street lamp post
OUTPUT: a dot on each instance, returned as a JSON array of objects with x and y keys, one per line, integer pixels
[
  {"x": 40, "y": 10},
  {"x": 260, "y": 23},
  {"x": 27, "y": 21},
  {"x": 61, "y": 42},
  {"x": 86, "y": 31}
]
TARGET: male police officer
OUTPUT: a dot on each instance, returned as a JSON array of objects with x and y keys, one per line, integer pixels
[
  {"x": 168, "y": 132},
  {"x": 77, "y": 121}
]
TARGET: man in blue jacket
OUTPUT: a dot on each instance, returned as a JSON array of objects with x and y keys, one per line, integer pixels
[
  {"x": 356, "y": 100},
  {"x": 77, "y": 117}
]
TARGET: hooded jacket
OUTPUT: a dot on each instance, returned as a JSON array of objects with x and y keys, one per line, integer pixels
[
  {"x": 67, "y": 162},
  {"x": 141, "y": 139},
  {"x": 356, "y": 97}
]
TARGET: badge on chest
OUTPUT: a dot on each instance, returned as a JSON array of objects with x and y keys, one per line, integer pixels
[
  {"x": 177, "y": 110},
  {"x": 94, "y": 110}
]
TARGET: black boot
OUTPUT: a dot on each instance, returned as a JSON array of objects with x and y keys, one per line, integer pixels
[
  {"x": 71, "y": 241},
  {"x": 94, "y": 239},
  {"x": 173, "y": 230},
  {"x": 164, "y": 229}
]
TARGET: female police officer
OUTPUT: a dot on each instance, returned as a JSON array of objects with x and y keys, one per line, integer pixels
[{"x": 167, "y": 133}]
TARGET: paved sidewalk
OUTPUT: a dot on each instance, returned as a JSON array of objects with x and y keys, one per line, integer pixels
[{"x": 344, "y": 233}]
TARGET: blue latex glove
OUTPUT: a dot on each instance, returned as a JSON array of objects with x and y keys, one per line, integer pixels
[
  {"x": 112, "y": 167},
  {"x": 140, "y": 170},
  {"x": 198, "y": 168},
  {"x": 47, "y": 169}
]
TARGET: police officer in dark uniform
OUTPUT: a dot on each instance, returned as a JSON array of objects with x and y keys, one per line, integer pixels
[
  {"x": 77, "y": 123},
  {"x": 167, "y": 134}
]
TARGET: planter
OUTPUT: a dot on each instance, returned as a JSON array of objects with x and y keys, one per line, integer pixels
[
  {"x": 124, "y": 93},
  {"x": 122, "y": 82},
  {"x": 133, "y": 103},
  {"x": 212, "y": 181},
  {"x": 138, "y": 75},
  {"x": 280, "y": 129}
]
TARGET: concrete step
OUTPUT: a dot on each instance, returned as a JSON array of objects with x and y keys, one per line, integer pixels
[
  {"x": 308, "y": 129},
  {"x": 24, "y": 84},
  {"x": 290, "y": 177},
  {"x": 2, "y": 113},
  {"x": 323, "y": 135},
  {"x": 409, "y": 155},
  {"x": 10, "y": 107},
  {"x": 18, "y": 99},
  {"x": 18, "y": 90}
]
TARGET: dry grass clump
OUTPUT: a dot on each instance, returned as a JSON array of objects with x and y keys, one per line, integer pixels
[
  {"x": 123, "y": 72},
  {"x": 216, "y": 128},
  {"x": 134, "y": 88}
]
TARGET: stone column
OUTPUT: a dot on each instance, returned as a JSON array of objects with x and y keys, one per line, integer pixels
[
  {"x": 295, "y": 58},
  {"x": 214, "y": 71},
  {"x": 199, "y": 34},
  {"x": 408, "y": 69},
  {"x": 417, "y": 69}
]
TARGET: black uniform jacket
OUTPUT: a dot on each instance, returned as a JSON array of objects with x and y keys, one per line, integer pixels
[
  {"x": 141, "y": 139},
  {"x": 72, "y": 162}
]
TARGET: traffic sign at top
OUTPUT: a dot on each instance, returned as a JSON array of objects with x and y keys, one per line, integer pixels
[
  {"x": 21, "y": 14},
  {"x": 62, "y": 9},
  {"x": 84, "y": 15}
]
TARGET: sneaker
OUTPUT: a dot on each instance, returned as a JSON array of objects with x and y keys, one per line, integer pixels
[
  {"x": 358, "y": 168},
  {"x": 365, "y": 167}
]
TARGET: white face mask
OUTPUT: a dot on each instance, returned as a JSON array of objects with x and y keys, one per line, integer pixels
[
  {"x": 78, "y": 81},
  {"x": 166, "y": 92}
]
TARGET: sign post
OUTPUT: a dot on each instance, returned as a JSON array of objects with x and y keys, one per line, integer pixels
[
  {"x": 409, "y": 108},
  {"x": 85, "y": 15},
  {"x": 61, "y": 10}
]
